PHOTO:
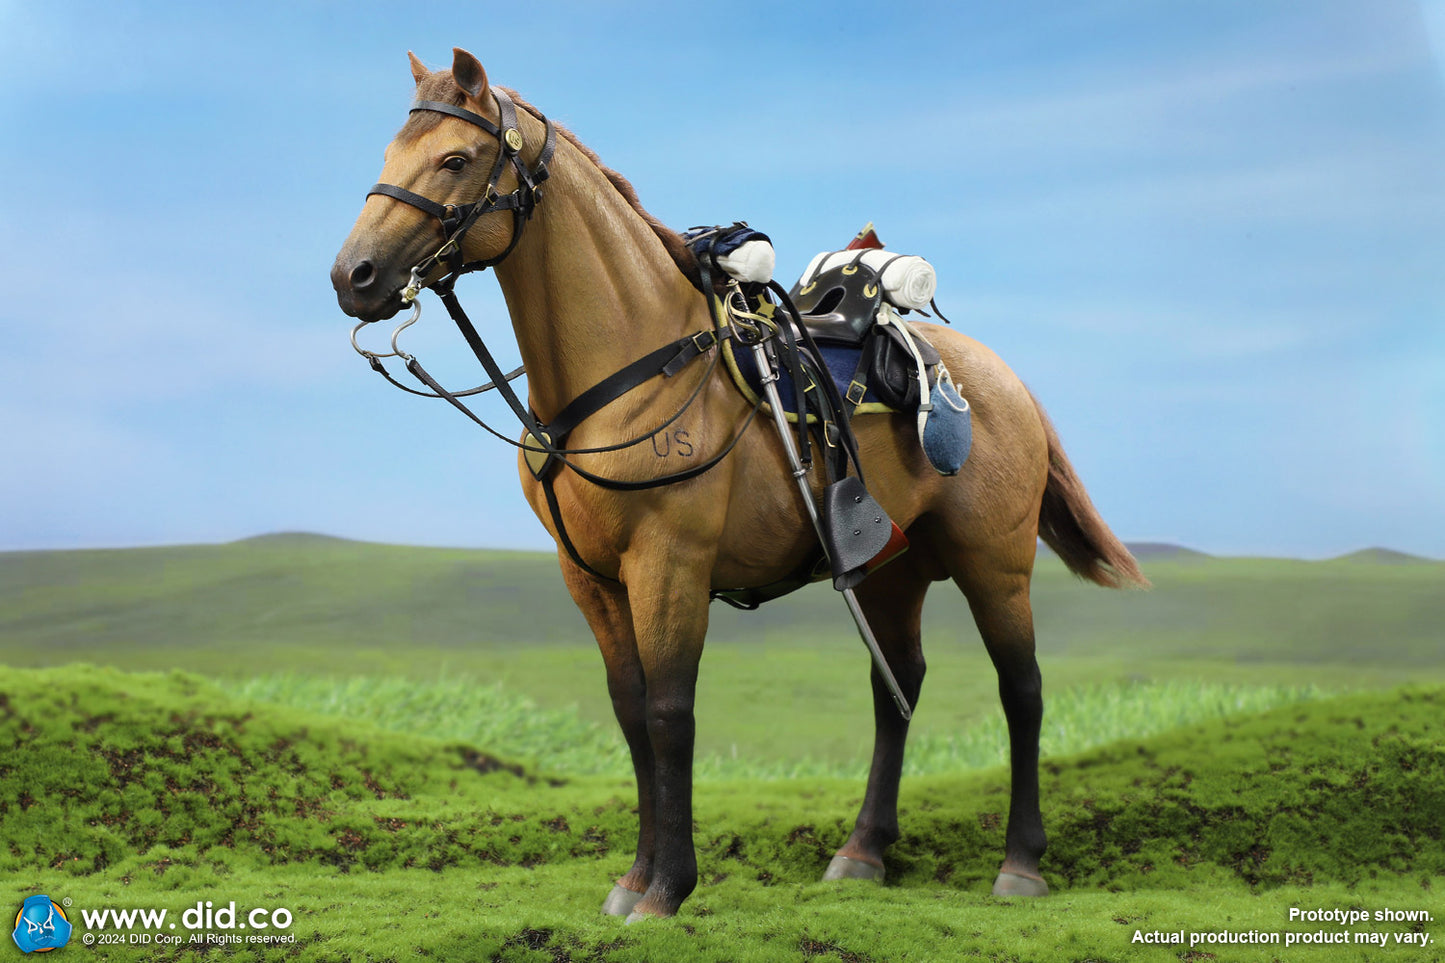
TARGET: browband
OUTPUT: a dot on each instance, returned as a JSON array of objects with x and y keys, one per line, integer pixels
[{"x": 462, "y": 113}]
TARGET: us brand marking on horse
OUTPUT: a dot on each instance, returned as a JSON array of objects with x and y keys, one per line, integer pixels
[
  {"x": 676, "y": 442},
  {"x": 593, "y": 284}
]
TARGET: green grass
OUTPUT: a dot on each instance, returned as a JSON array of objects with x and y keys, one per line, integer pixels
[
  {"x": 157, "y": 791},
  {"x": 787, "y": 684},
  {"x": 1087, "y": 716},
  {"x": 413, "y": 750},
  {"x": 507, "y": 722},
  {"x": 227, "y": 609},
  {"x": 561, "y": 742},
  {"x": 295, "y": 602}
]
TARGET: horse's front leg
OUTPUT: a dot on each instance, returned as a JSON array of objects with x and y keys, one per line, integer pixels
[
  {"x": 668, "y": 595},
  {"x": 605, "y": 607}
]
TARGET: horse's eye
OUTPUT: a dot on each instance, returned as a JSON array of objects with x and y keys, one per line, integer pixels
[{"x": 455, "y": 162}]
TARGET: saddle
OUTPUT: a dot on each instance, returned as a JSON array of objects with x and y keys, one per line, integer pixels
[
  {"x": 837, "y": 349},
  {"x": 843, "y": 307},
  {"x": 850, "y": 303}
]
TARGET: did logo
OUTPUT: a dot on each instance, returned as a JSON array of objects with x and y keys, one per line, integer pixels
[{"x": 41, "y": 925}]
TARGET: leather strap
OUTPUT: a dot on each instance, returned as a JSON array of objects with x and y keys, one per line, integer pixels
[
  {"x": 422, "y": 375},
  {"x": 438, "y": 211},
  {"x": 551, "y": 495},
  {"x": 848, "y": 442},
  {"x": 439, "y": 107},
  {"x": 667, "y": 361},
  {"x": 530, "y": 422},
  {"x": 380, "y": 369},
  {"x": 489, "y": 364},
  {"x": 673, "y": 355}
]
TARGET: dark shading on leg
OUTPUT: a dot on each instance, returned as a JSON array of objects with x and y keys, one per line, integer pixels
[
  {"x": 610, "y": 619},
  {"x": 892, "y": 598},
  {"x": 1001, "y": 608},
  {"x": 669, "y": 622}
]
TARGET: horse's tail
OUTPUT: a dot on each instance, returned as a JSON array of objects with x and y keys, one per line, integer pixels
[{"x": 1071, "y": 525}]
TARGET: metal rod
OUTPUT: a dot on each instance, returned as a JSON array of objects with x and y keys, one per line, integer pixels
[
  {"x": 879, "y": 662},
  {"x": 800, "y": 475}
]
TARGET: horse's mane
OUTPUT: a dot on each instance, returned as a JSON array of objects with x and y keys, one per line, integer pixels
[{"x": 441, "y": 87}]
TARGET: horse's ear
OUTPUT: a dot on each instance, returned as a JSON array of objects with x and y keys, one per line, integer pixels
[
  {"x": 468, "y": 73},
  {"x": 418, "y": 69}
]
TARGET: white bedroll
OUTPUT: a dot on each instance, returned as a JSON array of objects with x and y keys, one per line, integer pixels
[{"x": 908, "y": 280}]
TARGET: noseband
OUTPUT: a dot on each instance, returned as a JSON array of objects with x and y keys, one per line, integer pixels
[{"x": 457, "y": 219}]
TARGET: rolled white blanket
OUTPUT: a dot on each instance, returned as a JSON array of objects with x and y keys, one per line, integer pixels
[
  {"x": 908, "y": 280},
  {"x": 750, "y": 261}
]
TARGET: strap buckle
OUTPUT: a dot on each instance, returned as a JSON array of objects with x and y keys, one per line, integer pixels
[{"x": 687, "y": 350}]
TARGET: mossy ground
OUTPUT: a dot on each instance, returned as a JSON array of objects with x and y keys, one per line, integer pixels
[{"x": 159, "y": 791}]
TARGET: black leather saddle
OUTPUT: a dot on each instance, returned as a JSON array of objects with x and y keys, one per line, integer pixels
[{"x": 839, "y": 305}]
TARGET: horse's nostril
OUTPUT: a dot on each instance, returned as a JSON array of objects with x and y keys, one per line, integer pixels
[{"x": 362, "y": 275}]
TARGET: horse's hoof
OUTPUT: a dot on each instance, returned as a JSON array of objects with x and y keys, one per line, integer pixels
[
  {"x": 844, "y": 867},
  {"x": 620, "y": 901},
  {"x": 636, "y": 917},
  {"x": 1012, "y": 884}
]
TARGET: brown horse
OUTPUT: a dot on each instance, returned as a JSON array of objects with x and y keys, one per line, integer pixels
[{"x": 594, "y": 283}]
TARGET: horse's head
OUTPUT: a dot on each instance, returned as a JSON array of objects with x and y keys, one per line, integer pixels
[{"x": 448, "y": 157}]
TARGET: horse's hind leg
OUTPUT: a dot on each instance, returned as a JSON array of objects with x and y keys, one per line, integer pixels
[
  {"x": 610, "y": 619},
  {"x": 892, "y": 599},
  {"x": 998, "y": 595}
]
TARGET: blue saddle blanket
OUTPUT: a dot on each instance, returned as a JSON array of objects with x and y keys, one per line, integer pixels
[
  {"x": 945, "y": 434},
  {"x": 841, "y": 362}
]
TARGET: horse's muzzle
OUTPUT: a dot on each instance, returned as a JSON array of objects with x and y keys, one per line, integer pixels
[{"x": 363, "y": 290}]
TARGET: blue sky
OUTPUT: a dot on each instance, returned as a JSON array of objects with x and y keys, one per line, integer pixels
[{"x": 1209, "y": 235}]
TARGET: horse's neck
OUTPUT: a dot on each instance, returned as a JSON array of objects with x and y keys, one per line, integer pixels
[{"x": 590, "y": 287}]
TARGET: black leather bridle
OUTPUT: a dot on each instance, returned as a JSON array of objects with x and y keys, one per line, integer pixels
[
  {"x": 457, "y": 219},
  {"x": 544, "y": 445}
]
